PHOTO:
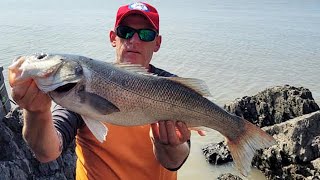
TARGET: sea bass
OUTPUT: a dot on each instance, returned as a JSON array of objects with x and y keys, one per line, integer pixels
[{"x": 127, "y": 95}]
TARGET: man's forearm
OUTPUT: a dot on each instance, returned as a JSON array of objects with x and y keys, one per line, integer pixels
[
  {"x": 171, "y": 157},
  {"x": 41, "y": 135}
]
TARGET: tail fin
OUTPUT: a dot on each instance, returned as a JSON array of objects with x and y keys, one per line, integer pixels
[{"x": 244, "y": 147}]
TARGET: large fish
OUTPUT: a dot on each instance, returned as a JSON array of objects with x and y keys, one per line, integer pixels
[{"x": 126, "y": 95}]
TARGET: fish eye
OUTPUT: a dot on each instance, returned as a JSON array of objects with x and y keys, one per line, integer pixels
[
  {"x": 41, "y": 56},
  {"x": 65, "y": 88},
  {"x": 79, "y": 70}
]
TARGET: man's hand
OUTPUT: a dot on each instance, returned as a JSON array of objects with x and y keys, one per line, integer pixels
[
  {"x": 168, "y": 133},
  {"x": 170, "y": 143},
  {"x": 26, "y": 93},
  {"x": 29, "y": 97}
]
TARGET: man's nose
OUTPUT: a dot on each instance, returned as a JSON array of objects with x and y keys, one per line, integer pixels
[{"x": 135, "y": 38}]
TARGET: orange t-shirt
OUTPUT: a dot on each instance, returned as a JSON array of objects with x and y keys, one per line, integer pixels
[{"x": 127, "y": 153}]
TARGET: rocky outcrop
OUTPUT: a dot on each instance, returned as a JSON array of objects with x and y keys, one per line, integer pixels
[
  {"x": 18, "y": 162},
  {"x": 297, "y": 153},
  {"x": 274, "y": 105},
  {"x": 217, "y": 153},
  {"x": 228, "y": 176}
]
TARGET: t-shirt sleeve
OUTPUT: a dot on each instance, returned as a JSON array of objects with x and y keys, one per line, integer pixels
[
  {"x": 160, "y": 72},
  {"x": 67, "y": 123}
]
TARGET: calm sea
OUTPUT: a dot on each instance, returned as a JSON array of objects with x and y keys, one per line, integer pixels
[{"x": 238, "y": 47}]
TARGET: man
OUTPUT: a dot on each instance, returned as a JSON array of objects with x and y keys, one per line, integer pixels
[{"x": 153, "y": 151}]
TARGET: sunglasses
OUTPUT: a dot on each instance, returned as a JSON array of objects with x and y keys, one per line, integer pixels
[{"x": 127, "y": 32}]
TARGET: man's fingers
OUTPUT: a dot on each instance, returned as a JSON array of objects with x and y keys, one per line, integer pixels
[
  {"x": 200, "y": 130},
  {"x": 14, "y": 71},
  {"x": 184, "y": 131},
  {"x": 155, "y": 130},
  {"x": 28, "y": 96},
  {"x": 31, "y": 93},
  {"x": 19, "y": 91},
  {"x": 163, "y": 136},
  {"x": 172, "y": 133},
  {"x": 201, "y": 133}
]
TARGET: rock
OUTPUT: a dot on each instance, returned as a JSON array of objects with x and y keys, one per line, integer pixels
[
  {"x": 228, "y": 176},
  {"x": 274, "y": 105},
  {"x": 217, "y": 153},
  {"x": 17, "y": 160},
  {"x": 297, "y": 153}
]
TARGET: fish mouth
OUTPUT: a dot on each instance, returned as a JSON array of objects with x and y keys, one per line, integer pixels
[
  {"x": 65, "y": 88},
  {"x": 62, "y": 91}
]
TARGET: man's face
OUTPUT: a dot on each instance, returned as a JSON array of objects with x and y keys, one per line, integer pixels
[{"x": 134, "y": 50}]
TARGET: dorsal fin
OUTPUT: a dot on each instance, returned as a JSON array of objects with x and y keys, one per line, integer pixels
[
  {"x": 196, "y": 84},
  {"x": 136, "y": 68}
]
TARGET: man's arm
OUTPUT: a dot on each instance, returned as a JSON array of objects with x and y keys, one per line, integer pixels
[
  {"x": 38, "y": 129},
  {"x": 65, "y": 125},
  {"x": 41, "y": 135},
  {"x": 46, "y": 133}
]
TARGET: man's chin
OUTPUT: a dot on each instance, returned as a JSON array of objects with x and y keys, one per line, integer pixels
[{"x": 132, "y": 60}]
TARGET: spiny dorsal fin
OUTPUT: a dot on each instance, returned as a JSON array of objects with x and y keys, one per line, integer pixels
[
  {"x": 136, "y": 68},
  {"x": 196, "y": 84}
]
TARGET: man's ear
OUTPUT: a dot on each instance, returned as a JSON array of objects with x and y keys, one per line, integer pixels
[
  {"x": 158, "y": 43},
  {"x": 112, "y": 36}
]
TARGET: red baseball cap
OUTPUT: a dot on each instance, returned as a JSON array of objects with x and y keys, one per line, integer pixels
[{"x": 139, "y": 8}]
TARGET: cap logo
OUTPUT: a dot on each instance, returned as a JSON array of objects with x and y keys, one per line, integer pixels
[{"x": 138, "y": 6}]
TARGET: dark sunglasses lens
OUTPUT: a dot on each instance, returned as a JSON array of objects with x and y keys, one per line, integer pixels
[
  {"x": 125, "y": 32},
  {"x": 147, "y": 35}
]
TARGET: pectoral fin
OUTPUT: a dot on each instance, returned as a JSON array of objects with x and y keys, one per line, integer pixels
[
  {"x": 98, "y": 129},
  {"x": 97, "y": 103}
]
